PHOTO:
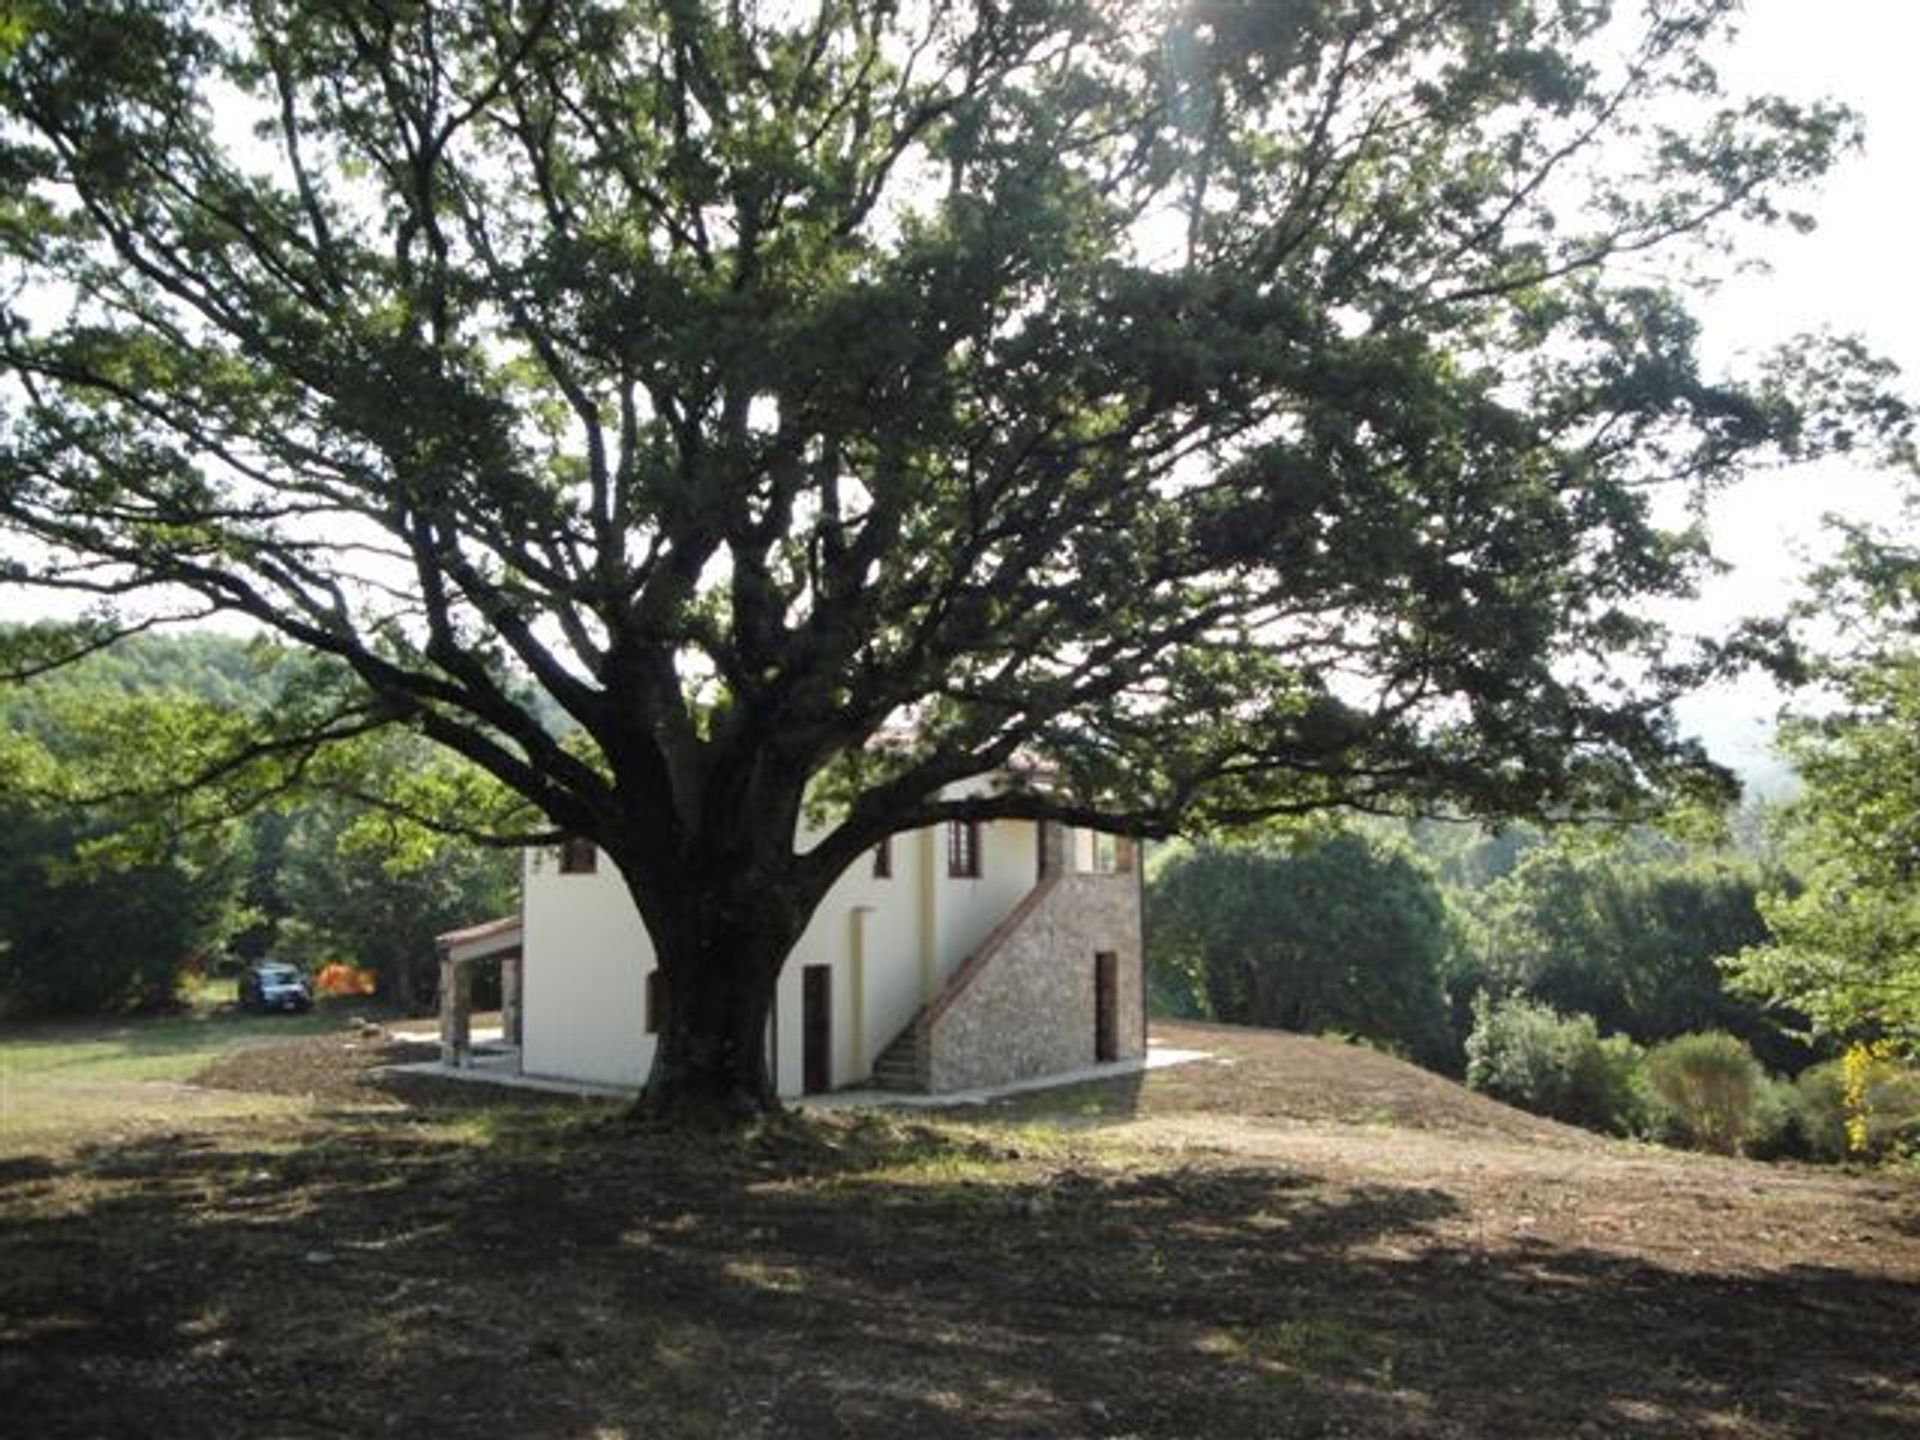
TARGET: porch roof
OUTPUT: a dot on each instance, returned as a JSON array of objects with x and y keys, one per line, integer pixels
[{"x": 482, "y": 942}]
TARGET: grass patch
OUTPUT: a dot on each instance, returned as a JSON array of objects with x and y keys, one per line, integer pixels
[
  {"x": 71, "y": 1080},
  {"x": 528, "y": 1131},
  {"x": 162, "y": 1048}
]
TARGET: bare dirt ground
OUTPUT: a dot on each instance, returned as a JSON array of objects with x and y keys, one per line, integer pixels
[{"x": 1290, "y": 1239}]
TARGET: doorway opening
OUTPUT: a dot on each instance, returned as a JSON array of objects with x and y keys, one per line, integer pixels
[
  {"x": 1106, "y": 1006},
  {"x": 816, "y": 1029}
]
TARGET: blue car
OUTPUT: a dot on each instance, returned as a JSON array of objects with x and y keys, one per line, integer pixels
[{"x": 274, "y": 987}]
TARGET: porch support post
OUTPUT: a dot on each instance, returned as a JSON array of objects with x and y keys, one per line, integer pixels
[
  {"x": 510, "y": 999},
  {"x": 456, "y": 1010}
]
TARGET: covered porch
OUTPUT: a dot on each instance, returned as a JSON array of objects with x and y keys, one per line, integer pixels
[{"x": 460, "y": 951}]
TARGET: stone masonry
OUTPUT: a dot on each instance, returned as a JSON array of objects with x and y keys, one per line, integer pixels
[{"x": 1024, "y": 1005}]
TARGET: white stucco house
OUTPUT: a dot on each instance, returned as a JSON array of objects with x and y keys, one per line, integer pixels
[{"x": 974, "y": 953}]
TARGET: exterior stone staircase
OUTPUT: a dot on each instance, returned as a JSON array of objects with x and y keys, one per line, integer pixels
[
  {"x": 905, "y": 1066},
  {"x": 1029, "y": 999},
  {"x": 899, "y": 1067}
]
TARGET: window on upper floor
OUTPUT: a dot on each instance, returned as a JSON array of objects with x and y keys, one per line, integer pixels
[
  {"x": 883, "y": 859},
  {"x": 578, "y": 856},
  {"x": 1097, "y": 853},
  {"x": 963, "y": 849}
]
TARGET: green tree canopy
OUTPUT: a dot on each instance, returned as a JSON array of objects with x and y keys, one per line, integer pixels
[
  {"x": 116, "y": 875},
  {"x": 91, "y": 918},
  {"x": 372, "y": 886},
  {"x": 1340, "y": 932},
  {"x": 82, "y": 938},
  {"x": 1845, "y": 943},
  {"x": 1631, "y": 934},
  {"x": 1248, "y": 409}
]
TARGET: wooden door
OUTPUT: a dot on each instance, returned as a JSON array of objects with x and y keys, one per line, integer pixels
[
  {"x": 1106, "y": 1006},
  {"x": 816, "y": 1029}
]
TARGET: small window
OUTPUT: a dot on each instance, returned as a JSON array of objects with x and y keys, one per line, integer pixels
[
  {"x": 656, "y": 1000},
  {"x": 1098, "y": 853},
  {"x": 579, "y": 856},
  {"x": 883, "y": 859},
  {"x": 963, "y": 849}
]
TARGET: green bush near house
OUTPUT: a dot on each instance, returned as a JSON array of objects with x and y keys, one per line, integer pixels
[
  {"x": 1530, "y": 1055},
  {"x": 1712, "y": 1094},
  {"x": 1312, "y": 933}
]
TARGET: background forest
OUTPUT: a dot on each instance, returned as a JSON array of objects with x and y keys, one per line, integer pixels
[
  {"x": 1738, "y": 984},
  {"x": 1623, "y": 979},
  {"x": 126, "y": 868}
]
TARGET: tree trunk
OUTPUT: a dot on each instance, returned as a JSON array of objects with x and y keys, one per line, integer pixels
[
  {"x": 399, "y": 974},
  {"x": 718, "y": 969}
]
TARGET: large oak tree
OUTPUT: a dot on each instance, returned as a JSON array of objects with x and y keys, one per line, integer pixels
[{"x": 1238, "y": 408}]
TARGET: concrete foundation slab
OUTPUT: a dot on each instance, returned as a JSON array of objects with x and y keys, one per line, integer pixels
[{"x": 501, "y": 1067}]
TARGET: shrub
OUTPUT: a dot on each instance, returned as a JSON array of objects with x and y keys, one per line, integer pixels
[
  {"x": 1712, "y": 1093},
  {"x": 1621, "y": 1086},
  {"x": 1532, "y": 1056},
  {"x": 1820, "y": 1111},
  {"x": 1885, "y": 1117},
  {"x": 1776, "y": 1133}
]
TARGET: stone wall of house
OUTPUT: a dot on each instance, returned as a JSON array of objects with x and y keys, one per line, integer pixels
[{"x": 1025, "y": 1006}]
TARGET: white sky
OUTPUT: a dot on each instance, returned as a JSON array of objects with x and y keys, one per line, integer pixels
[{"x": 1853, "y": 275}]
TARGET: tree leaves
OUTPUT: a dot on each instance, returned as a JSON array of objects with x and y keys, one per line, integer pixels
[
  {"x": 1336, "y": 932},
  {"x": 1247, "y": 411}
]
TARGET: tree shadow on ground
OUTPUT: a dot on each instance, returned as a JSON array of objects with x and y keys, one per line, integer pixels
[{"x": 542, "y": 1274}]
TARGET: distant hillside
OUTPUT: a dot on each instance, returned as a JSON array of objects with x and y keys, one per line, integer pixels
[
  {"x": 225, "y": 670},
  {"x": 230, "y": 671}
]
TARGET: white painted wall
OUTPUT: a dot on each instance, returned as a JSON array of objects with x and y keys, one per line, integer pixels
[
  {"x": 587, "y": 955},
  {"x": 968, "y": 909},
  {"x": 890, "y": 927}
]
